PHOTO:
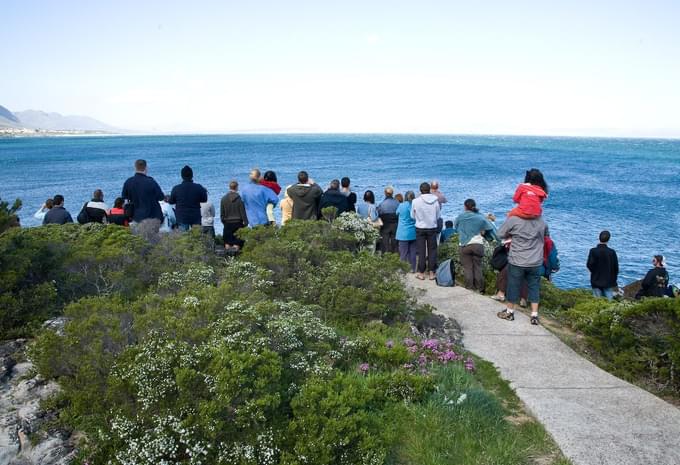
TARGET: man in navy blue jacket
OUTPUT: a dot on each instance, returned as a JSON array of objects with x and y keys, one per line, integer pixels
[
  {"x": 187, "y": 198},
  {"x": 144, "y": 193}
]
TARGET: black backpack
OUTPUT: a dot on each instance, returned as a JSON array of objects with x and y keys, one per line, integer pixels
[
  {"x": 499, "y": 258},
  {"x": 83, "y": 217},
  {"x": 129, "y": 210}
]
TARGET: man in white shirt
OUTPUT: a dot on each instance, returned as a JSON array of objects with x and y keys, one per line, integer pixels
[{"x": 426, "y": 211}]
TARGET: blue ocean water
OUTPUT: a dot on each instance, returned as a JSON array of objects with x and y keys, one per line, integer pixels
[{"x": 626, "y": 185}]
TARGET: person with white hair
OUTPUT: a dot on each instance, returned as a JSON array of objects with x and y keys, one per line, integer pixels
[
  {"x": 434, "y": 189},
  {"x": 441, "y": 198},
  {"x": 387, "y": 211}
]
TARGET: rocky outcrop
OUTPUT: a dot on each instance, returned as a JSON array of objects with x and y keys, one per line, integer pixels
[{"x": 23, "y": 441}]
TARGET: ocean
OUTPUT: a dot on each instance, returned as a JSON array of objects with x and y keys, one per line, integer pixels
[{"x": 628, "y": 186}]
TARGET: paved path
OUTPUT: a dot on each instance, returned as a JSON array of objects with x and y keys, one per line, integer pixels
[{"x": 594, "y": 417}]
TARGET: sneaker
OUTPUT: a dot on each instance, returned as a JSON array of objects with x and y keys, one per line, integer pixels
[
  {"x": 506, "y": 315},
  {"x": 523, "y": 303},
  {"x": 498, "y": 298},
  {"x": 534, "y": 320}
]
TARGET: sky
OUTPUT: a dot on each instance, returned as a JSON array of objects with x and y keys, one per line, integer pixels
[{"x": 594, "y": 68}]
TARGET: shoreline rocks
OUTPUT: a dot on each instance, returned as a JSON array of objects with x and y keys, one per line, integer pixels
[{"x": 21, "y": 416}]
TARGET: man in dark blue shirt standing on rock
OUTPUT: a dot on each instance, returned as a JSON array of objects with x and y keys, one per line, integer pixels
[
  {"x": 187, "y": 198},
  {"x": 142, "y": 193}
]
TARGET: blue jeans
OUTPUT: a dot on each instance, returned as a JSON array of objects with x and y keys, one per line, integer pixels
[
  {"x": 518, "y": 274},
  {"x": 600, "y": 292}
]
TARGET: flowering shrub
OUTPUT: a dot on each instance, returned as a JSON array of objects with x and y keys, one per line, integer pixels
[
  {"x": 255, "y": 360},
  {"x": 195, "y": 275},
  {"x": 246, "y": 276},
  {"x": 361, "y": 228}
]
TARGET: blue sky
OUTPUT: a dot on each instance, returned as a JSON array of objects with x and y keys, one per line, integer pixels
[{"x": 580, "y": 68}]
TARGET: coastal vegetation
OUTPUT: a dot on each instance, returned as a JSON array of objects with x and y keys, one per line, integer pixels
[{"x": 306, "y": 349}]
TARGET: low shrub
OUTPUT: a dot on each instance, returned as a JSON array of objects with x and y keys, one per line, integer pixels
[
  {"x": 42, "y": 269},
  {"x": 8, "y": 214},
  {"x": 636, "y": 340}
]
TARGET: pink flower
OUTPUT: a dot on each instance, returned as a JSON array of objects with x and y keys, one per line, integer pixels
[
  {"x": 431, "y": 344},
  {"x": 409, "y": 342},
  {"x": 363, "y": 368},
  {"x": 389, "y": 344},
  {"x": 470, "y": 364}
]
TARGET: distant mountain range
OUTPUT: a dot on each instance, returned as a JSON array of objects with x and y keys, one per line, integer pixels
[{"x": 35, "y": 119}]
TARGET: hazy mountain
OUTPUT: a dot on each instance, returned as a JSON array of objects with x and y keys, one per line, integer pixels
[
  {"x": 8, "y": 119},
  {"x": 35, "y": 119}
]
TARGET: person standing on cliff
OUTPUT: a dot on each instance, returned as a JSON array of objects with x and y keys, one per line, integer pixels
[
  {"x": 441, "y": 198},
  {"x": 306, "y": 195},
  {"x": 233, "y": 216},
  {"x": 187, "y": 198},
  {"x": 525, "y": 259},
  {"x": 426, "y": 211},
  {"x": 604, "y": 268},
  {"x": 387, "y": 211},
  {"x": 347, "y": 191},
  {"x": 256, "y": 197},
  {"x": 142, "y": 194}
]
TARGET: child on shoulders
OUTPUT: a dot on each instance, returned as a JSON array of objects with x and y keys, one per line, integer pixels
[{"x": 529, "y": 196}]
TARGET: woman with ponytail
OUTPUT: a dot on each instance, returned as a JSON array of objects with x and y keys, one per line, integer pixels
[
  {"x": 473, "y": 228},
  {"x": 655, "y": 283}
]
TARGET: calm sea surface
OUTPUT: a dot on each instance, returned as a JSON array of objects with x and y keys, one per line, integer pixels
[{"x": 631, "y": 187}]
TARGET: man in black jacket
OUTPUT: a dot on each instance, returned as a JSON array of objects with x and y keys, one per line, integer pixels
[
  {"x": 58, "y": 214},
  {"x": 233, "y": 216},
  {"x": 334, "y": 198},
  {"x": 604, "y": 268},
  {"x": 305, "y": 195},
  {"x": 143, "y": 193},
  {"x": 187, "y": 198}
]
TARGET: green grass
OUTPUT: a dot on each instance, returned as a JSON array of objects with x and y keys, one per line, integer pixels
[{"x": 488, "y": 427}]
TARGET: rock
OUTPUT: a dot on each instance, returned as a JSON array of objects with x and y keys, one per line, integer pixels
[
  {"x": 7, "y": 356},
  {"x": 21, "y": 392},
  {"x": 439, "y": 327},
  {"x": 56, "y": 325}
]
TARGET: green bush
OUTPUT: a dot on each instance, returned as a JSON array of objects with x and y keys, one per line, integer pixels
[
  {"x": 313, "y": 262},
  {"x": 42, "y": 269},
  {"x": 636, "y": 340},
  {"x": 556, "y": 301},
  {"x": 8, "y": 215},
  {"x": 338, "y": 421}
]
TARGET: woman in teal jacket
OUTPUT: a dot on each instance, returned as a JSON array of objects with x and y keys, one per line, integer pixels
[{"x": 406, "y": 231}]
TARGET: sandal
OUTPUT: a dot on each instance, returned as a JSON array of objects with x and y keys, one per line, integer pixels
[
  {"x": 420, "y": 276},
  {"x": 506, "y": 315}
]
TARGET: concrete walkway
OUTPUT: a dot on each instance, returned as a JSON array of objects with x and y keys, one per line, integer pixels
[{"x": 594, "y": 417}]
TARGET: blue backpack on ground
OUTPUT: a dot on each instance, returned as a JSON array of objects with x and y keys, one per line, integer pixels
[{"x": 446, "y": 274}]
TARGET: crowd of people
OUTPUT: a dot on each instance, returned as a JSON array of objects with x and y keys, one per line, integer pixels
[{"x": 410, "y": 225}]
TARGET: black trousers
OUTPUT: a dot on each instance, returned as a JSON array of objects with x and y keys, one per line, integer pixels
[
  {"x": 389, "y": 241},
  {"x": 426, "y": 247},
  {"x": 228, "y": 234}
]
